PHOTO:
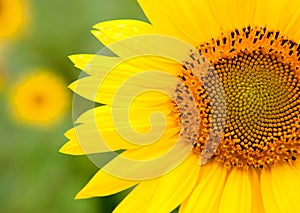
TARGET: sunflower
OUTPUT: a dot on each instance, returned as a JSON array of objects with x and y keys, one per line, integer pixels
[
  {"x": 39, "y": 98},
  {"x": 11, "y": 16},
  {"x": 245, "y": 55}
]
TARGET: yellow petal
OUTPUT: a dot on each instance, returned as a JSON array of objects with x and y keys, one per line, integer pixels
[
  {"x": 241, "y": 12},
  {"x": 110, "y": 92},
  {"x": 81, "y": 60},
  {"x": 207, "y": 193},
  {"x": 286, "y": 186},
  {"x": 260, "y": 16},
  {"x": 136, "y": 201},
  {"x": 164, "y": 21},
  {"x": 190, "y": 21},
  {"x": 89, "y": 141},
  {"x": 164, "y": 193},
  {"x": 72, "y": 147},
  {"x": 269, "y": 200},
  {"x": 99, "y": 132},
  {"x": 233, "y": 13},
  {"x": 257, "y": 202},
  {"x": 149, "y": 161},
  {"x": 237, "y": 194},
  {"x": 94, "y": 64},
  {"x": 112, "y": 31},
  {"x": 199, "y": 21},
  {"x": 103, "y": 184},
  {"x": 130, "y": 78},
  {"x": 290, "y": 21},
  {"x": 275, "y": 13},
  {"x": 201, "y": 18},
  {"x": 174, "y": 187},
  {"x": 280, "y": 15}
]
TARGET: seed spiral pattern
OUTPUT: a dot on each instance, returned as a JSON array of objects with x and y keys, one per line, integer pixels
[{"x": 260, "y": 76}]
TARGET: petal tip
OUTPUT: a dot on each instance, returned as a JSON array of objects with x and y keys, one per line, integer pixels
[
  {"x": 72, "y": 86},
  {"x": 82, "y": 195},
  {"x": 63, "y": 149},
  {"x": 70, "y": 148}
]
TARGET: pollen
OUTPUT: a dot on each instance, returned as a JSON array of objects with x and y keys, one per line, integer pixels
[{"x": 258, "y": 71}]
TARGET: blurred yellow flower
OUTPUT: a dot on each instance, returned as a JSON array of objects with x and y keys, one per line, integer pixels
[
  {"x": 11, "y": 16},
  {"x": 40, "y": 98}
]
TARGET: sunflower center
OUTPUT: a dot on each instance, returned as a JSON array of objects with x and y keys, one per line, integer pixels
[{"x": 259, "y": 74}]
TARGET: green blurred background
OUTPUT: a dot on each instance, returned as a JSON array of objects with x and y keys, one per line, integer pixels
[{"x": 35, "y": 177}]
